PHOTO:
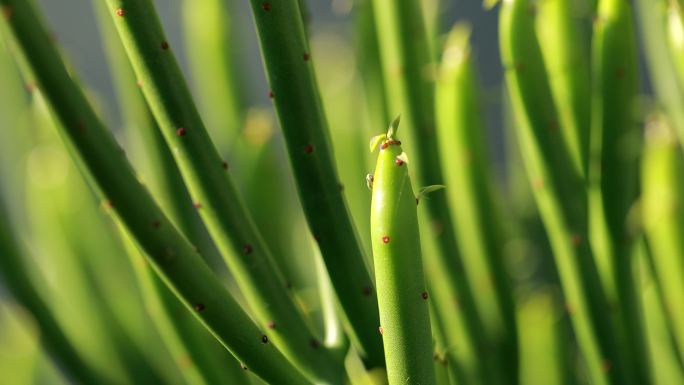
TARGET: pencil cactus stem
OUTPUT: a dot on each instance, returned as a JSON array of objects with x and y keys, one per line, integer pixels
[
  {"x": 463, "y": 152},
  {"x": 405, "y": 56},
  {"x": 404, "y": 313},
  {"x": 287, "y": 62},
  {"x": 229, "y": 222},
  {"x": 171, "y": 255},
  {"x": 616, "y": 147}
]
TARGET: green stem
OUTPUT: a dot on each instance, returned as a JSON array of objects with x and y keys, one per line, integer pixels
[
  {"x": 406, "y": 61},
  {"x": 172, "y": 256},
  {"x": 287, "y": 59},
  {"x": 402, "y": 295},
  {"x": 464, "y": 158},
  {"x": 616, "y": 146},
  {"x": 222, "y": 208}
]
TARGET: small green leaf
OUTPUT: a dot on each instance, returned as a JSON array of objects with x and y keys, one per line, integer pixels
[
  {"x": 393, "y": 127},
  {"x": 429, "y": 189},
  {"x": 376, "y": 140}
]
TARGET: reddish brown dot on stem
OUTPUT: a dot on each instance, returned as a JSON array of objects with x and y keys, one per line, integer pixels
[
  {"x": 576, "y": 240},
  {"x": 306, "y": 56},
  {"x": 314, "y": 343},
  {"x": 264, "y": 339},
  {"x": 29, "y": 87},
  {"x": 120, "y": 12},
  {"x": 199, "y": 307},
  {"x": 180, "y": 131},
  {"x": 7, "y": 11},
  {"x": 109, "y": 204},
  {"x": 247, "y": 249},
  {"x": 317, "y": 237},
  {"x": 270, "y": 325},
  {"x": 425, "y": 295},
  {"x": 399, "y": 162},
  {"x": 139, "y": 83},
  {"x": 156, "y": 224},
  {"x": 385, "y": 239},
  {"x": 381, "y": 330},
  {"x": 225, "y": 165},
  {"x": 197, "y": 205},
  {"x": 165, "y": 45},
  {"x": 367, "y": 291},
  {"x": 606, "y": 366},
  {"x": 266, "y": 6},
  {"x": 569, "y": 309},
  {"x": 185, "y": 362},
  {"x": 538, "y": 184},
  {"x": 270, "y": 94},
  {"x": 384, "y": 145},
  {"x": 308, "y": 148}
]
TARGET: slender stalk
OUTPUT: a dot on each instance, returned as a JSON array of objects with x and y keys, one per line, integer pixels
[
  {"x": 287, "y": 60},
  {"x": 201, "y": 359},
  {"x": 663, "y": 216},
  {"x": 566, "y": 58},
  {"x": 402, "y": 295},
  {"x": 616, "y": 144},
  {"x": 212, "y": 53},
  {"x": 464, "y": 158},
  {"x": 172, "y": 256},
  {"x": 222, "y": 209},
  {"x": 559, "y": 192}
]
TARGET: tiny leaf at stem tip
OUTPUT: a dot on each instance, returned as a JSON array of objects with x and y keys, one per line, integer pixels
[
  {"x": 393, "y": 127},
  {"x": 375, "y": 141},
  {"x": 429, "y": 189}
]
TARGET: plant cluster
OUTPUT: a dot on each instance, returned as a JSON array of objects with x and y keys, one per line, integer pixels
[{"x": 197, "y": 244}]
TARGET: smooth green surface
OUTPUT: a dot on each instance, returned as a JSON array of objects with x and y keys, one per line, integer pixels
[
  {"x": 287, "y": 60},
  {"x": 616, "y": 144},
  {"x": 402, "y": 293},
  {"x": 465, "y": 159},
  {"x": 222, "y": 209}
]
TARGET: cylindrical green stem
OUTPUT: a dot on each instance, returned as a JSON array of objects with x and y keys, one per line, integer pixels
[
  {"x": 566, "y": 58},
  {"x": 464, "y": 158},
  {"x": 406, "y": 64},
  {"x": 402, "y": 295},
  {"x": 171, "y": 255},
  {"x": 616, "y": 146},
  {"x": 287, "y": 59},
  {"x": 221, "y": 207},
  {"x": 663, "y": 216}
]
